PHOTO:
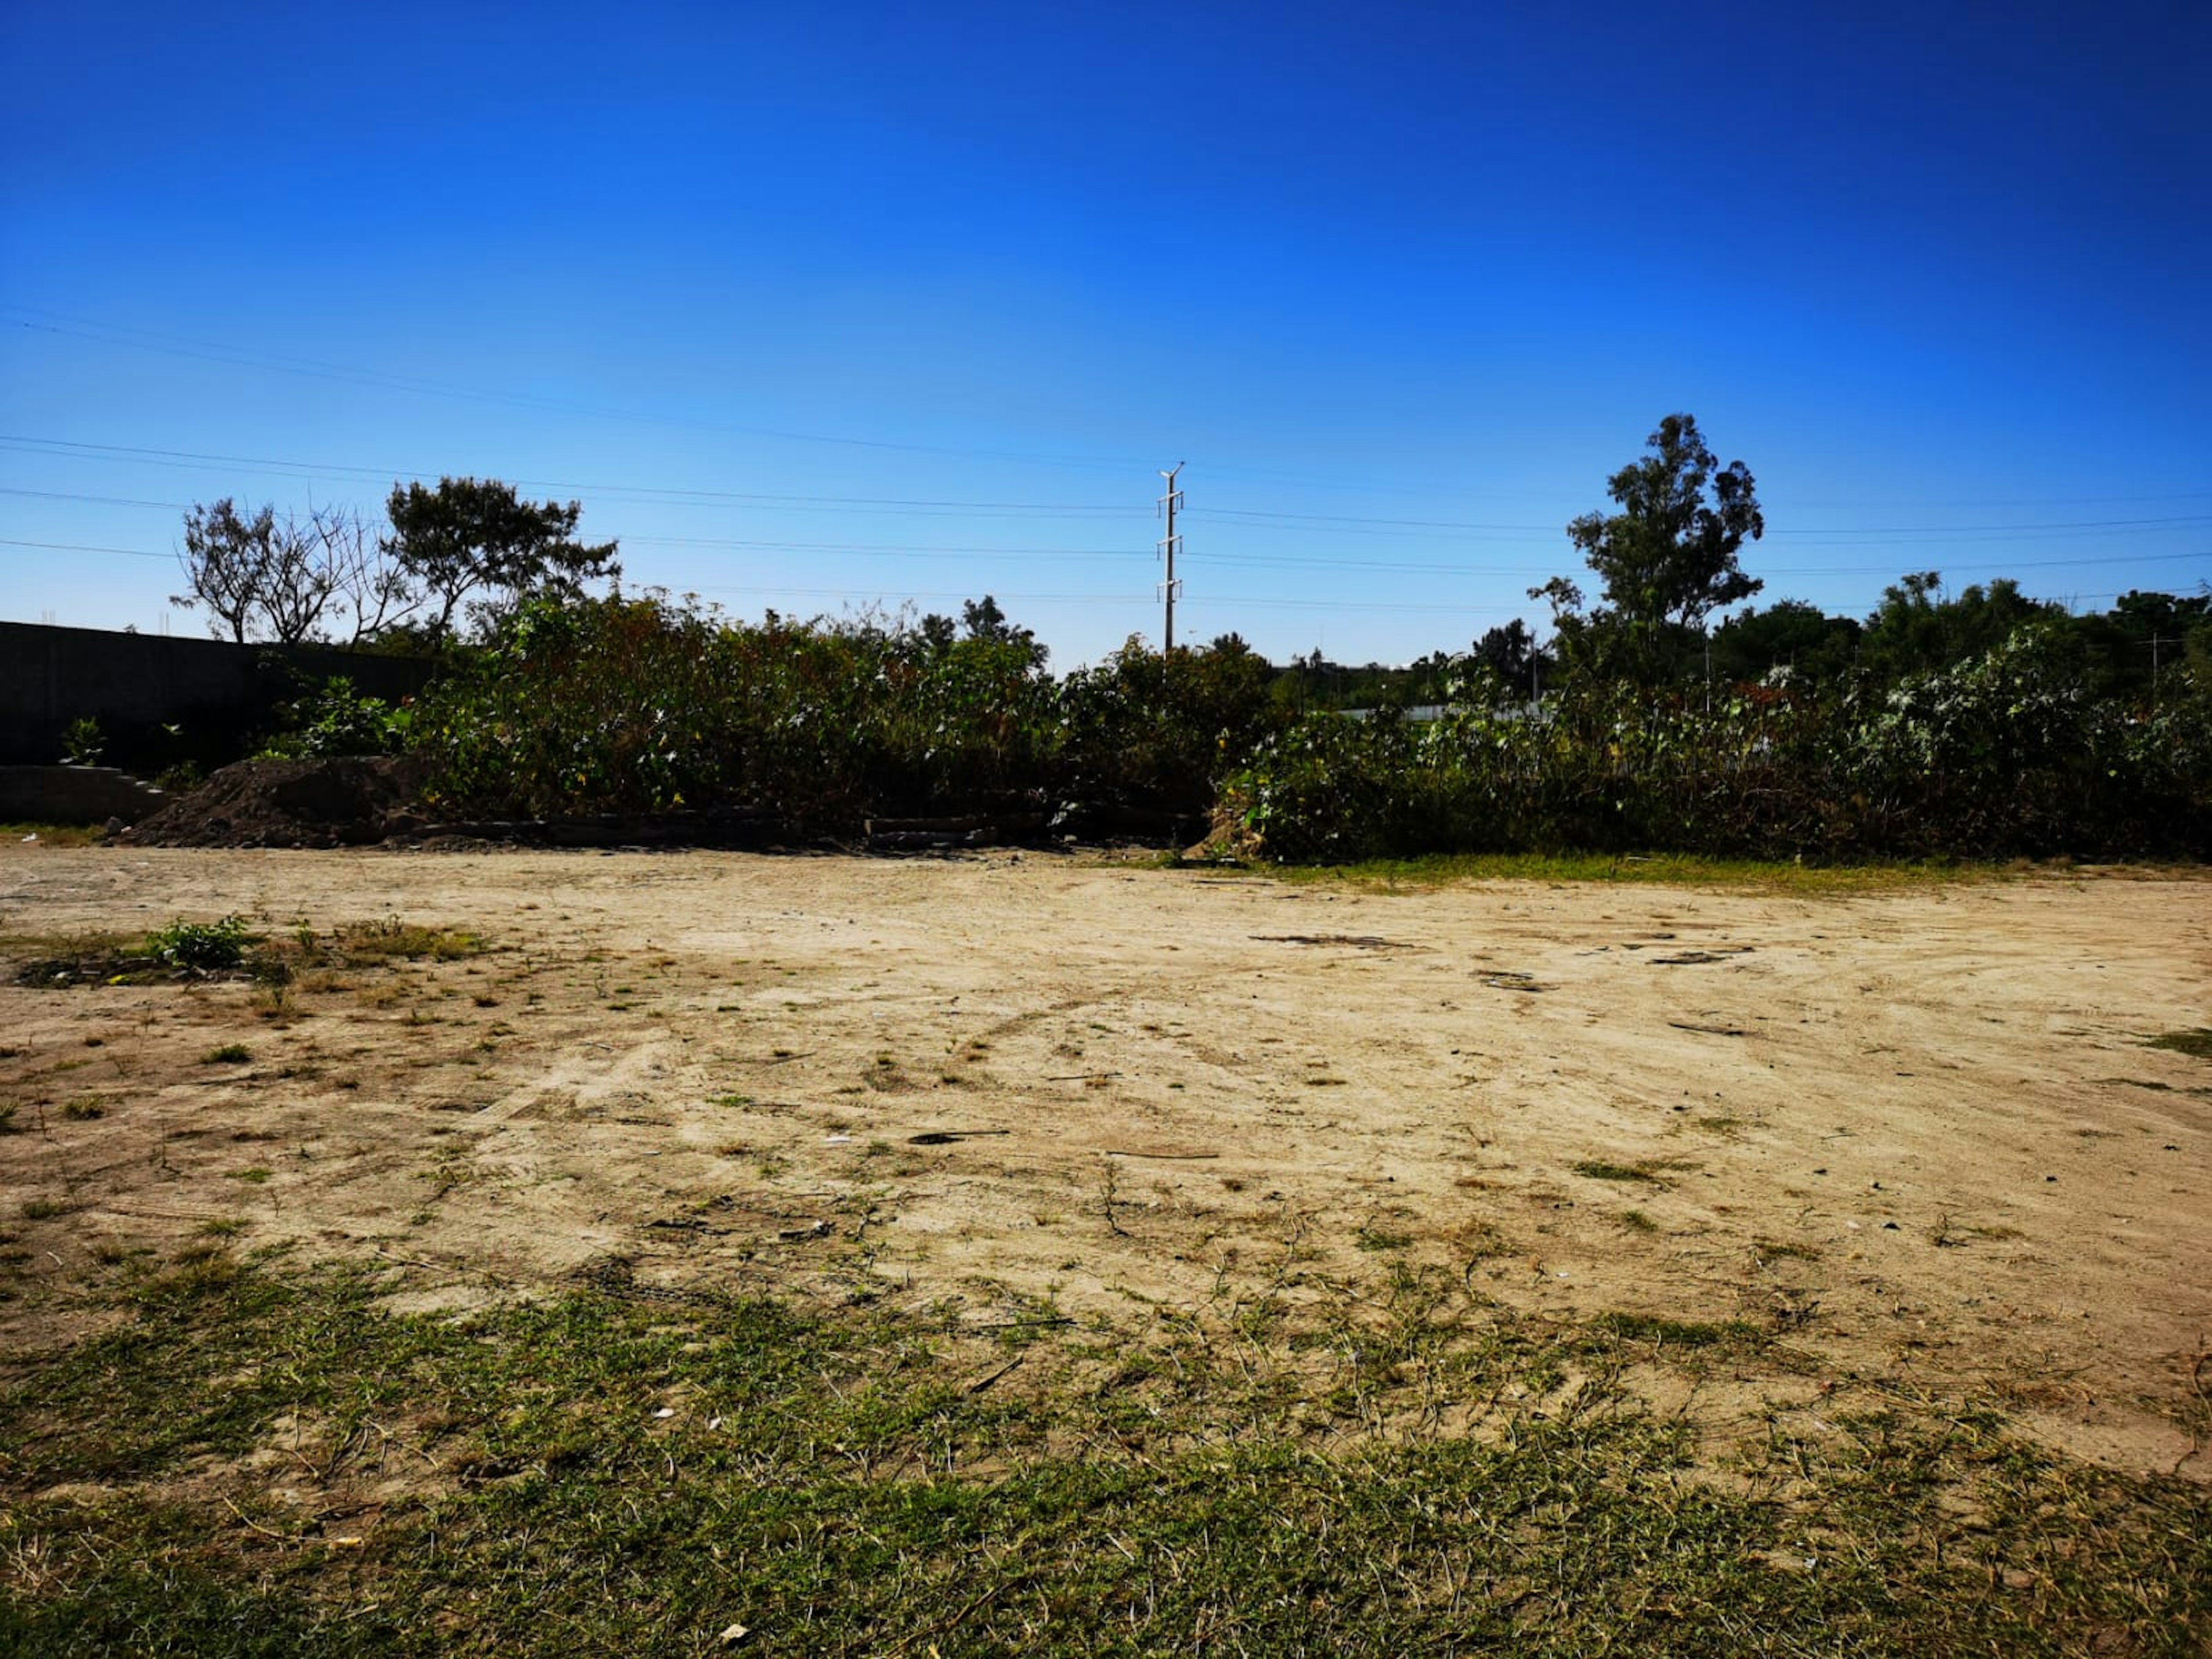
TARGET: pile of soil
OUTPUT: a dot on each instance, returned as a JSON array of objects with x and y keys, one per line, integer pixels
[{"x": 349, "y": 801}]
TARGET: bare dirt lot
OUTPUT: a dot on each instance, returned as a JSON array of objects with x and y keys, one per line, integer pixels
[{"x": 1919, "y": 1132}]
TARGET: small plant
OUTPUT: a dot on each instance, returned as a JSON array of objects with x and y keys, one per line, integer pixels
[
  {"x": 231, "y": 1054},
  {"x": 1680, "y": 1333},
  {"x": 45, "y": 1209},
  {"x": 1598, "y": 1168},
  {"x": 8, "y": 1111},
  {"x": 362, "y": 943},
  {"x": 83, "y": 742},
  {"x": 2197, "y": 1043},
  {"x": 257, "y": 1175},
  {"x": 201, "y": 947},
  {"x": 84, "y": 1109},
  {"x": 181, "y": 779}
]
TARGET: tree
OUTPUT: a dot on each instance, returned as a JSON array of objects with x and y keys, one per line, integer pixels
[
  {"x": 1916, "y": 629},
  {"x": 472, "y": 534},
  {"x": 937, "y": 631},
  {"x": 1789, "y": 634},
  {"x": 226, "y": 561},
  {"x": 1669, "y": 558},
  {"x": 985, "y": 622},
  {"x": 289, "y": 579},
  {"x": 1511, "y": 653}
]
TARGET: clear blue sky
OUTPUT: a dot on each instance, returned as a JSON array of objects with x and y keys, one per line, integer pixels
[{"x": 1402, "y": 284}]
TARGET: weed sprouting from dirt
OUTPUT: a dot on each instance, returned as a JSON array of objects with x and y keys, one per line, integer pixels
[
  {"x": 230, "y": 1054},
  {"x": 201, "y": 947}
]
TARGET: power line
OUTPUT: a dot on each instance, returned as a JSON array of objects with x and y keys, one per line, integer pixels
[
  {"x": 671, "y": 496},
  {"x": 1334, "y": 523},
  {"x": 79, "y": 547}
]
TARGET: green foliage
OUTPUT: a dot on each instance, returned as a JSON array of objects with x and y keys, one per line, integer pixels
[
  {"x": 471, "y": 535},
  {"x": 2006, "y": 754},
  {"x": 1668, "y": 559},
  {"x": 648, "y": 705},
  {"x": 1788, "y": 633},
  {"x": 83, "y": 742},
  {"x": 201, "y": 947},
  {"x": 1916, "y": 630},
  {"x": 338, "y": 719}
]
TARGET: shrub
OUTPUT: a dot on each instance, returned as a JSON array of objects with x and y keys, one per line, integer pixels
[
  {"x": 83, "y": 742},
  {"x": 338, "y": 719},
  {"x": 201, "y": 947}
]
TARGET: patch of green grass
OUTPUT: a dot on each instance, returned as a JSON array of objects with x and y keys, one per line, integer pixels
[
  {"x": 45, "y": 1209},
  {"x": 1379, "y": 1239},
  {"x": 850, "y": 1482},
  {"x": 257, "y": 1175},
  {"x": 1636, "y": 1221},
  {"x": 231, "y": 1054},
  {"x": 1678, "y": 1332},
  {"x": 1598, "y": 1168},
  {"x": 83, "y": 1109},
  {"x": 366, "y": 943},
  {"x": 2197, "y": 1043}
]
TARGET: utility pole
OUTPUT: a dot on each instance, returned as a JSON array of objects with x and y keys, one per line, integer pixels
[
  {"x": 2154, "y": 642},
  {"x": 1169, "y": 544}
]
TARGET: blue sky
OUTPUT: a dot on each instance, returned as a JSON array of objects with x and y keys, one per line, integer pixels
[{"x": 819, "y": 306}]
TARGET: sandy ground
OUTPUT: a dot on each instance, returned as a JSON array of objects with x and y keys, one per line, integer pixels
[{"x": 1918, "y": 1133}]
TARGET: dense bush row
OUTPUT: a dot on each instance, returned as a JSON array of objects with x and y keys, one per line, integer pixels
[
  {"x": 641, "y": 704},
  {"x": 628, "y": 704},
  {"x": 2005, "y": 754}
]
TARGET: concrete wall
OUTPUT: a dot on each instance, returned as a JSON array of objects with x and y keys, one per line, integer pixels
[
  {"x": 74, "y": 795},
  {"x": 220, "y": 693}
]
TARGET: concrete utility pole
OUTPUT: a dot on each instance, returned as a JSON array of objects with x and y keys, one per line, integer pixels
[
  {"x": 2154, "y": 642},
  {"x": 1169, "y": 545}
]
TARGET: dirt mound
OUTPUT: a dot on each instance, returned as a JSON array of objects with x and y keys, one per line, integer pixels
[{"x": 345, "y": 802}]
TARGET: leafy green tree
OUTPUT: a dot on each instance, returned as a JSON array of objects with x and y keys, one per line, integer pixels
[
  {"x": 471, "y": 535},
  {"x": 1668, "y": 559},
  {"x": 1511, "y": 653},
  {"x": 1917, "y": 630},
  {"x": 1668, "y": 556},
  {"x": 937, "y": 632},
  {"x": 2144, "y": 636},
  {"x": 985, "y": 622},
  {"x": 1789, "y": 634}
]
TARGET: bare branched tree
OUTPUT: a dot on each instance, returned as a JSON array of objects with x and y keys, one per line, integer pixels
[
  {"x": 289, "y": 579},
  {"x": 369, "y": 589}
]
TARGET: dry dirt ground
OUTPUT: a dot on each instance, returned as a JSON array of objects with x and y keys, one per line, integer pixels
[{"x": 1918, "y": 1131}]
